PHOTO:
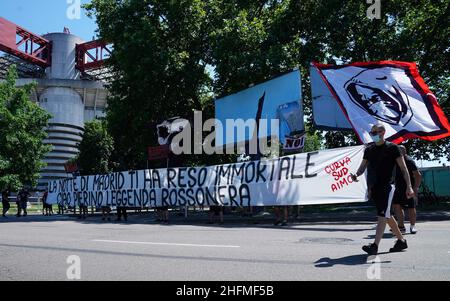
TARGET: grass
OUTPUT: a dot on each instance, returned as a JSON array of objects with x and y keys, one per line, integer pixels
[{"x": 34, "y": 208}]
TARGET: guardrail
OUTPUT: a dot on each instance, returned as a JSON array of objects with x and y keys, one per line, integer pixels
[{"x": 31, "y": 199}]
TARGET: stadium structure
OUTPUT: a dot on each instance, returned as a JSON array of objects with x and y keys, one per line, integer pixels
[{"x": 70, "y": 76}]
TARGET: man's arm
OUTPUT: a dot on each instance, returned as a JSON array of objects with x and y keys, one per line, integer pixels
[
  {"x": 360, "y": 171},
  {"x": 409, "y": 190}
]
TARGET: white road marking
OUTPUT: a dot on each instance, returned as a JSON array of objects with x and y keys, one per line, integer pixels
[{"x": 163, "y": 243}]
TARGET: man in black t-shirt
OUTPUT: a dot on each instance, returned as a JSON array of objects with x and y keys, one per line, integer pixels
[
  {"x": 381, "y": 158},
  {"x": 400, "y": 200}
]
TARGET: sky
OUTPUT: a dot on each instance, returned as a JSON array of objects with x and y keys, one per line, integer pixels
[
  {"x": 46, "y": 16},
  {"x": 425, "y": 163}
]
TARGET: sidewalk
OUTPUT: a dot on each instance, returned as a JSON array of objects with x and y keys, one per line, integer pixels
[
  {"x": 366, "y": 215},
  {"x": 363, "y": 214}
]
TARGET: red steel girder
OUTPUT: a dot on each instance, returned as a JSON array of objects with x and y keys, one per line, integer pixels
[
  {"x": 37, "y": 50},
  {"x": 86, "y": 59}
]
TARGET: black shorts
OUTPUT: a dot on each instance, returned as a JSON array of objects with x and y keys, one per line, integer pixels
[
  {"x": 382, "y": 197},
  {"x": 400, "y": 199}
]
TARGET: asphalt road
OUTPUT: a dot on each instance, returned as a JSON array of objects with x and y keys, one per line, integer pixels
[{"x": 38, "y": 248}]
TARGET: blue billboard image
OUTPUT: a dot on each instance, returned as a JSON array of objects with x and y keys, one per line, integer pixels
[{"x": 278, "y": 99}]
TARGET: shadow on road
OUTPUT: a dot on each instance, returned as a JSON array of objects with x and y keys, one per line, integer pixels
[
  {"x": 385, "y": 235},
  {"x": 233, "y": 223},
  {"x": 359, "y": 259},
  {"x": 333, "y": 229},
  {"x": 308, "y": 222}
]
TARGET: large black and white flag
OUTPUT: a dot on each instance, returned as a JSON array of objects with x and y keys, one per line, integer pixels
[{"x": 388, "y": 92}]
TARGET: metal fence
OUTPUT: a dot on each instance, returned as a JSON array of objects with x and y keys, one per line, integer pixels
[{"x": 437, "y": 180}]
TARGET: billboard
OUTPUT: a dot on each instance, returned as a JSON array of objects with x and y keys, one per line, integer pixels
[
  {"x": 326, "y": 111},
  {"x": 276, "y": 99}
]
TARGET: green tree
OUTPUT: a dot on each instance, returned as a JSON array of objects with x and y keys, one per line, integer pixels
[
  {"x": 95, "y": 148},
  {"x": 171, "y": 57},
  {"x": 261, "y": 39},
  {"x": 22, "y": 124},
  {"x": 313, "y": 142},
  {"x": 159, "y": 68}
]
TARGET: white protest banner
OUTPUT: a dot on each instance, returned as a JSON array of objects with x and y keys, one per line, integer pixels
[{"x": 321, "y": 177}]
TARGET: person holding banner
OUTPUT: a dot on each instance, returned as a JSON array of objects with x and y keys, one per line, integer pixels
[
  {"x": 382, "y": 158},
  {"x": 83, "y": 211},
  {"x": 122, "y": 212},
  {"x": 106, "y": 210},
  {"x": 61, "y": 208},
  {"x": 281, "y": 215},
  {"x": 162, "y": 214},
  {"x": 216, "y": 211}
]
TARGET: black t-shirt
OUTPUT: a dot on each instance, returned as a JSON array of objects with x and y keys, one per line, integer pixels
[
  {"x": 23, "y": 196},
  {"x": 381, "y": 168},
  {"x": 400, "y": 183}
]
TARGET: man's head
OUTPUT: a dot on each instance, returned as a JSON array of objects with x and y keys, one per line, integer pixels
[
  {"x": 377, "y": 133},
  {"x": 402, "y": 150}
]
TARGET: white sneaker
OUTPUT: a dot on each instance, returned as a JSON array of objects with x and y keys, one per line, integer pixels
[{"x": 413, "y": 229}]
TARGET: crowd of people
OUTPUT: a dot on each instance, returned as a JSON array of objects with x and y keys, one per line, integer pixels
[{"x": 216, "y": 213}]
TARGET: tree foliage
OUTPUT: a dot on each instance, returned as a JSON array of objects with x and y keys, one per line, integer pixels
[
  {"x": 95, "y": 148},
  {"x": 171, "y": 57},
  {"x": 312, "y": 143},
  {"x": 22, "y": 124}
]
